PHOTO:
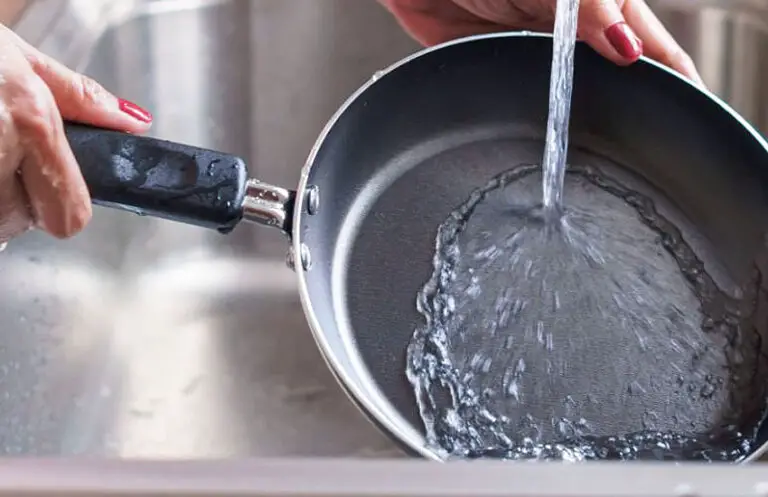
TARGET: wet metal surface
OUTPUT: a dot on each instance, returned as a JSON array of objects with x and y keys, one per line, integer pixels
[{"x": 144, "y": 338}]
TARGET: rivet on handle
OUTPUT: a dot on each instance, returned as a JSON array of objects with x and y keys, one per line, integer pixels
[
  {"x": 312, "y": 199},
  {"x": 306, "y": 259}
]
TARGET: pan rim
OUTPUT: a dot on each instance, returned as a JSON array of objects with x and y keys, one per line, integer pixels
[{"x": 354, "y": 390}]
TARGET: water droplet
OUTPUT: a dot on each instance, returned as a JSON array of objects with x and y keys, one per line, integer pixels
[
  {"x": 487, "y": 365},
  {"x": 634, "y": 388},
  {"x": 513, "y": 390},
  {"x": 707, "y": 391}
]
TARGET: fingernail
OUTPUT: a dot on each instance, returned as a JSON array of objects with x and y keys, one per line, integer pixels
[
  {"x": 135, "y": 111},
  {"x": 624, "y": 41}
]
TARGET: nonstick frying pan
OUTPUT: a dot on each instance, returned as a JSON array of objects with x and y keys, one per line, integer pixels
[{"x": 412, "y": 144}]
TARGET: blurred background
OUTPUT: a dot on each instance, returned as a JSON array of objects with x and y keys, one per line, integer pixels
[{"x": 143, "y": 338}]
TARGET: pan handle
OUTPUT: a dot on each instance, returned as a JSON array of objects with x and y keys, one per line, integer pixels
[{"x": 175, "y": 181}]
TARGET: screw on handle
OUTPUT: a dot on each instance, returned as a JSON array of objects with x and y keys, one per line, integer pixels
[{"x": 160, "y": 178}]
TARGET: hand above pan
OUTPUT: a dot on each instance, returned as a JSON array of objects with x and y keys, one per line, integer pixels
[
  {"x": 40, "y": 182},
  {"x": 620, "y": 30}
]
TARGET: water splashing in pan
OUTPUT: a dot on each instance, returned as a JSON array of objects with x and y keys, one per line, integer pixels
[
  {"x": 600, "y": 338},
  {"x": 578, "y": 332}
]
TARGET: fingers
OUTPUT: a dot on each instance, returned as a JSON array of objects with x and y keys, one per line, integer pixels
[
  {"x": 82, "y": 99},
  {"x": 620, "y": 30},
  {"x": 603, "y": 26},
  {"x": 623, "y": 31},
  {"x": 659, "y": 43},
  {"x": 55, "y": 189},
  {"x": 431, "y": 23}
]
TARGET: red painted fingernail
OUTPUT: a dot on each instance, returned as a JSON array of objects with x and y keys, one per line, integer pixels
[
  {"x": 625, "y": 41},
  {"x": 135, "y": 111}
]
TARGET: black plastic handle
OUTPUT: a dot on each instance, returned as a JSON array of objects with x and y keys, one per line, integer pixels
[{"x": 160, "y": 178}]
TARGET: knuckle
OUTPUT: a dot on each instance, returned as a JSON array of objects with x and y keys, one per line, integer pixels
[
  {"x": 593, "y": 6},
  {"x": 31, "y": 107},
  {"x": 87, "y": 90}
]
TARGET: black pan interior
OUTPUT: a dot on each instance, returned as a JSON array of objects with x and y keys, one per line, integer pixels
[{"x": 417, "y": 142}]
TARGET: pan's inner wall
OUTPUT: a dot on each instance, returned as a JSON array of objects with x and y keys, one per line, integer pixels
[{"x": 373, "y": 238}]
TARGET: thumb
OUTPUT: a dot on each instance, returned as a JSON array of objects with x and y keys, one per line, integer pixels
[
  {"x": 80, "y": 98},
  {"x": 603, "y": 27}
]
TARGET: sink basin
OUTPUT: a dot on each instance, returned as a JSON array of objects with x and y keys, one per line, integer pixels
[
  {"x": 146, "y": 338},
  {"x": 728, "y": 40}
]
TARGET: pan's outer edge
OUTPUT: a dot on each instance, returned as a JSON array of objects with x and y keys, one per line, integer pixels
[{"x": 358, "y": 396}]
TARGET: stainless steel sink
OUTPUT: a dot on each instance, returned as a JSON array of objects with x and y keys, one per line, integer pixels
[
  {"x": 728, "y": 40},
  {"x": 151, "y": 339},
  {"x": 145, "y": 338}
]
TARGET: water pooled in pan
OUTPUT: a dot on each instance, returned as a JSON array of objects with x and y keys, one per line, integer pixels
[
  {"x": 580, "y": 331},
  {"x": 599, "y": 336}
]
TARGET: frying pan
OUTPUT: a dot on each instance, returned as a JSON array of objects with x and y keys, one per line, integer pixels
[{"x": 412, "y": 144}]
